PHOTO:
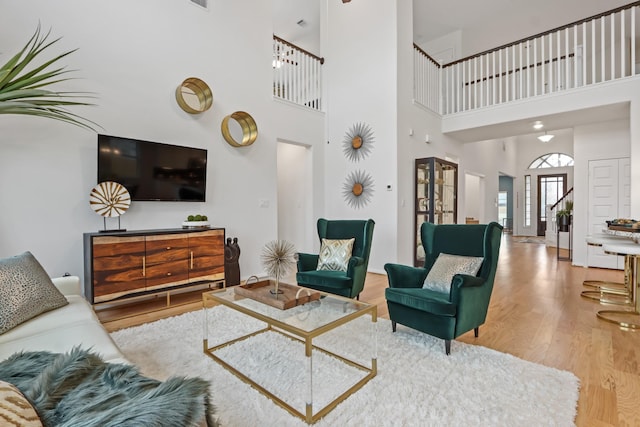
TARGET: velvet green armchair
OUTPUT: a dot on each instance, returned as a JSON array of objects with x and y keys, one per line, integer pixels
[
  {"x": 464, "y": 307},
  {"x": 346, "y": 283}
]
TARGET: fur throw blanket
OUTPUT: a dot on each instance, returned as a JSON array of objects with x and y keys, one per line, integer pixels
[{"x": 80, "y": 389}]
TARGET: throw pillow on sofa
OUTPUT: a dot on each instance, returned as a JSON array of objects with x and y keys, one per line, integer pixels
[
  {"x": 15, "y": 409},
  {"x": 26, "y": 290}
]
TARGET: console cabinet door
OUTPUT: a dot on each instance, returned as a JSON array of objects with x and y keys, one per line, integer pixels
[
  {"x": 118, "y": 266},
  {"x": 166, "y": 260},
  {"x": 206, "y": 257}
]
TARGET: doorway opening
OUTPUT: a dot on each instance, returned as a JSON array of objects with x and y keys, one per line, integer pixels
[
  {"x": 294, "y": 164},
  {"x": 550, "y": 189}
]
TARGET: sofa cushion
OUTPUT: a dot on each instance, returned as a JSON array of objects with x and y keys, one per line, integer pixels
[
  {"x": 15, "y": 409},
  {"x": 88, "y": 335},
  {"x": 334, "y": 254},
  {"x": 26, "y": 291},
  {"x": 77, "y": 311},
  {"x": 447, "y": 266}
]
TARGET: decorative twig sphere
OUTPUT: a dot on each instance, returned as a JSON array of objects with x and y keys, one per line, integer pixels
[{"x": 278, "y": 258}]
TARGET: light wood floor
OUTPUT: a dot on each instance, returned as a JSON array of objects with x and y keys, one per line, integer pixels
[{"x": 537, "y": 314}]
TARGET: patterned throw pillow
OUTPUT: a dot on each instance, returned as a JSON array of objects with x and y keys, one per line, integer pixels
[
  {"x": 25, "y": 291},
  {"x": 447, "y": 266},
  {"x": 335, "y": 254},
  {"x": 15, "y": 409}
]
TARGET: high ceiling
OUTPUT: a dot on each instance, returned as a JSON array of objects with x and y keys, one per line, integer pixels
[{"x": 484, "y": 24}]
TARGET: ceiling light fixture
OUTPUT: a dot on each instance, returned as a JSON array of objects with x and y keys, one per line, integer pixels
[
  {"x": 546, "y": 137},
  {"x": 537, "y": 125}
]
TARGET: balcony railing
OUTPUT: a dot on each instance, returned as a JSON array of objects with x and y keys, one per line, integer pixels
[
  {"x": 594, "y": 50},
  {"x": 296, "y": 74}
]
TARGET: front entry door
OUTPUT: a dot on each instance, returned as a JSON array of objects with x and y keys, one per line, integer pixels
[{"x": 550, "y": 189}]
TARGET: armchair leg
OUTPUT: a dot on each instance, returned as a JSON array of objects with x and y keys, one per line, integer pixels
[
  {"x": 475, "y": 331},
  {"x": 393, "y": 325},
  {"x": 447, "y": 346}
]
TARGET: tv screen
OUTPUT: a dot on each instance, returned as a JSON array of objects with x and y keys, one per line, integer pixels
[{"x": 153, "y": 171}]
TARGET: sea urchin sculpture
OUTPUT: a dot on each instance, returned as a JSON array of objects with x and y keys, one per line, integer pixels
[{"x": 278, "y": 258}]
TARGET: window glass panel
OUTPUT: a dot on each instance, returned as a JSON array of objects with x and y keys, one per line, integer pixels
[
  {"x": 527, "y": 200},
  {"x": 552, "y": 160}
]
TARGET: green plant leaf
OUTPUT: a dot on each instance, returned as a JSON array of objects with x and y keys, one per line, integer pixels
[{"x": 21, "y": 89}]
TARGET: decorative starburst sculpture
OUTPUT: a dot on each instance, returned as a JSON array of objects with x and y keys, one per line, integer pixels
[
  {"x": 278, "y": 258},
  {"x": 357, "y": 189},
  {"x": 358, "y": 142}
]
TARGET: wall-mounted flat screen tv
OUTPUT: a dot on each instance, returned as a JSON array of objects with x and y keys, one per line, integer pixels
[{"x": 153, "y": 171}]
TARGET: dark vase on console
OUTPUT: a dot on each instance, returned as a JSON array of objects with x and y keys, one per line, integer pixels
[{"x": 231, "y": 265}]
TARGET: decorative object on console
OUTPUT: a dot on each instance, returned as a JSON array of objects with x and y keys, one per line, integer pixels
[
  {"x": 231, "y": 264},
  {"x": 278, "y": 259},
  {"x": 26, "y": 291},
  {"x": 196, "y": 221},
  {"x": 194, "y": 96},
  {"x": 248, "y": 126},
  {"x": 24, "y": 92},
  {"x": 357, "y": 190},
  {"x": 358, "y": 142},
  {"x": 109, "y": 199}
]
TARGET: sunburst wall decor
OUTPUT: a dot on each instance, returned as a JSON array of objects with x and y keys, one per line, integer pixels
[
  {"x": 357, "y": 189},
  {"x": 358, "y": 142}
]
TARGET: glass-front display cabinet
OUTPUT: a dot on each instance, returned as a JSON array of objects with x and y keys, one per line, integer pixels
[{"x": 436, "y": 183}]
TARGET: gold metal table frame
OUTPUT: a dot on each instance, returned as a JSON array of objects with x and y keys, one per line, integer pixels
[{"x": 228, "y": 298}]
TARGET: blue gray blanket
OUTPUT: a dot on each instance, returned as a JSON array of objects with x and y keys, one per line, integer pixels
[{"x": 78, "y": 389}]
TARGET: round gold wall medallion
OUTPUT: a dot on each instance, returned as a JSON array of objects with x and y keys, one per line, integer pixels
[
  {"x": 194, "y": 96},
  {"x": 248, "y": 126}
]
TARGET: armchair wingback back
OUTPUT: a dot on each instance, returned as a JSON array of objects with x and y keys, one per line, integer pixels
[
  {"x": 480, "y": 240},
  {"x": 346, "y": 283},
  {"x": 446, "y": 315}
]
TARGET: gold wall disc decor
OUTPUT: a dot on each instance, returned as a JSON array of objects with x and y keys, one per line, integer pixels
[
  {"x": 194, "y": 96},
  {"x": 248, "y": 126},
  {"x": 357, "y": 189},
  {"x": 109, "y": 199},
  {"x": 358, "y": 142}
]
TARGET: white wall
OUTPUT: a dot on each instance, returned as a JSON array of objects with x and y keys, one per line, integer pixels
[
  {"x": 608, "y": 140},
  {"x": 361, "y": 77},
  {"x": 133, "y": 55}
]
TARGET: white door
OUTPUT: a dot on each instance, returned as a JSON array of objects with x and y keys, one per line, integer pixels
[{"x": 607, "y": 185}]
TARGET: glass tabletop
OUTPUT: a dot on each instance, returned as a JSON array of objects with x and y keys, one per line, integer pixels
[{"x": 307, "y": 318}]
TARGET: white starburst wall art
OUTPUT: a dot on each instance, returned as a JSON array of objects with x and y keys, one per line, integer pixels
[
  {"x": 358, "y": 142},
  {"x": 357, "y": 189}
]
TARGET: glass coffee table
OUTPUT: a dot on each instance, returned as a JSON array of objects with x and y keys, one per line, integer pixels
[{"x": 301, "y": 324}]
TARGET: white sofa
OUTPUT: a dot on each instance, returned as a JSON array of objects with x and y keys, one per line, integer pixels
[{"x": 61, "y": 329}]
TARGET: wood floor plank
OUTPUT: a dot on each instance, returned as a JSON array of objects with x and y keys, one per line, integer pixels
[{"x": 536, "y": 313}]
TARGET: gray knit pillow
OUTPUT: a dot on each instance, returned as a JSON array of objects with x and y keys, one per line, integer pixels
[{"x": 25, "y": 291}]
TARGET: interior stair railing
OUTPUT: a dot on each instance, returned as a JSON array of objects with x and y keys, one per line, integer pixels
[
  {"x": 598, "y": 49},
  {"x": 297, "y": 74}
]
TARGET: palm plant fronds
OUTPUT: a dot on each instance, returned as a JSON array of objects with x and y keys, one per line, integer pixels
[{"x": 22, "y": 91}]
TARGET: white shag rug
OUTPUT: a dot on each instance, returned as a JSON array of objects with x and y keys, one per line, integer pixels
[{"x": 416, "y": 385}]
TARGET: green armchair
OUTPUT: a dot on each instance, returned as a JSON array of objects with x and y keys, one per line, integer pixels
[
  {"x": 346, "y": 283},
  {"x": 446, "y": 315}
]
